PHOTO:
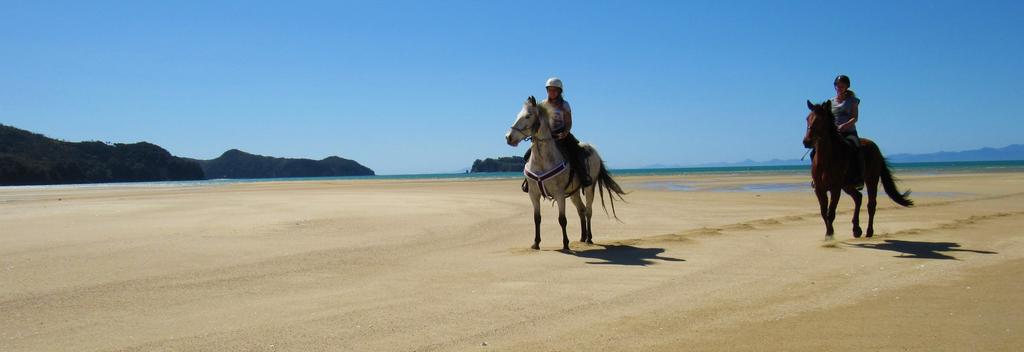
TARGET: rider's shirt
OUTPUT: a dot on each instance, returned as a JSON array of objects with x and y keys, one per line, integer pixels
[
  {"x": 844, "y": 111},
  {"x": 558, "y": 115}
]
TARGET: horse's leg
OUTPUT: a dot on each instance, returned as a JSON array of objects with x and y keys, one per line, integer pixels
[
  {"x": 834, "y": 193},
  {"x": 560, "y": 199},
  {"x": 535, "y": 199},
  {"x": 582, "y": 211},
  {"x": 822, "y": 195},
  {"x": 594, "y": 168},
  {"x": 590, "y": 212},
  {"x": 871, "y": 185},
  {"x": 855, "y": 194}
]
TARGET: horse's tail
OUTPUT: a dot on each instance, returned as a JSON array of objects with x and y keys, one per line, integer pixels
[
  {"x": 889, "y": 184},
  {"x": 604, "y": 180}
]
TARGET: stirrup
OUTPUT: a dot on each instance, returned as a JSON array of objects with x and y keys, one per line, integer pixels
[{"x": 525, "y": 186}]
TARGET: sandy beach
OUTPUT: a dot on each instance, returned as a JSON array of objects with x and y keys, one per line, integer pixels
[{"x": 712, "y": 262}]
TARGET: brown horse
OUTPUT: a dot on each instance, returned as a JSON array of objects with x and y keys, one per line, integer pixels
[{"x": 829, "y": 166}]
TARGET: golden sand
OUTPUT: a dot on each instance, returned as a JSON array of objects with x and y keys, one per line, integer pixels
[{"x": 733, "y": 262}]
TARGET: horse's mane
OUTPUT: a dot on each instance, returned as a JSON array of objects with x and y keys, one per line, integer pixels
[
  {"x": 830, "y": 118},
  {"x": 544, "y": 109},
  {"x": 545, "y": 113}
]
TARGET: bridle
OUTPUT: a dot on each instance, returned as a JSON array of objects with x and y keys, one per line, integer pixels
[
  {"x": 815, "y": 134},
  {"x": 532, "y": 129}
]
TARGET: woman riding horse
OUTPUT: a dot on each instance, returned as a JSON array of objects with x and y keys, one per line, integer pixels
[
  {"x": 845, "y": 106},
  {"x": 561, "y": 125},
  {"x": 830, "y": 169},
  {"x": 846, "y": 109}
]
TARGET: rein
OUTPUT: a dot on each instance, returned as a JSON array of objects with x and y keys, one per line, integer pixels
[
  {"x": 815, "y": 137},
  {"x": 537, "y": 139},
  {"x": 522, "y": 131}
]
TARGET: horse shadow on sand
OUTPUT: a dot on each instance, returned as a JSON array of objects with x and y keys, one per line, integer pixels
[
  {"x": 920, "y": 250},
  {"x": 621, "y": 254}
]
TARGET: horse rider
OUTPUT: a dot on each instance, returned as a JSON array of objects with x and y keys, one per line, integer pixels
[
  {"x": 561, "y": 125},
  {"x": 845, "y": 107}
]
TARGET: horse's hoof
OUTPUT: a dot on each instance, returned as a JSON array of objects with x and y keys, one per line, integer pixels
[
  {"x": 590, "y": 242},
  {"x": 870, "y": 233},
  {"x": 535, "y": 246},
  {"x": 828, "y": 238},
  {"x": 857, "y": 232}
]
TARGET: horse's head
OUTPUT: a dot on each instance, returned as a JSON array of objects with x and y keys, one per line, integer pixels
[
  {"x": 527, "y": 125},
  {"x": 820, "y": 122}
]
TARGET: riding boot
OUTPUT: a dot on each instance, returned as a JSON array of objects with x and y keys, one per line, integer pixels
[
  {"x": 855, "y": 175},
  {"x": 571, "y": 148},
  {"x": 858, "y": 179}
]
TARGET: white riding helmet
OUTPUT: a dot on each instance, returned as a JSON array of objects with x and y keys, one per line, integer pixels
[{"x": 554, "y": 82}]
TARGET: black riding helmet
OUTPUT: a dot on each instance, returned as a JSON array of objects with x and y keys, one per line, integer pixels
[{"x": 842, "y": 78}]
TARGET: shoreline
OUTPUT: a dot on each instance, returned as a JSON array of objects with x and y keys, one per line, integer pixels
[{"x": 928, "y": 168}]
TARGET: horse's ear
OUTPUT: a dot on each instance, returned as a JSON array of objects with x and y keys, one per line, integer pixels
[
  {"x": 810, "y": 106},
  {"x": 827, "y": 105},
  {"x": 532, "y": 100}
]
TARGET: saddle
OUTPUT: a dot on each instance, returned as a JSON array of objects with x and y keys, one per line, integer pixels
[{"x": 854, "y": 174}]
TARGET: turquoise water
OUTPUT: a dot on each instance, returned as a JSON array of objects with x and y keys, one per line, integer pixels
[{"x": 898, "y": 168}]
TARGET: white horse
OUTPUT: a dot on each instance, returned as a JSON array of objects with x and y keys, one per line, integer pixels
[{"x": 548, "y": 172}]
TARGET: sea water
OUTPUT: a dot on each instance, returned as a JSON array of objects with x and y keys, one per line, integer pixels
[{"x": 931, "y": 168}]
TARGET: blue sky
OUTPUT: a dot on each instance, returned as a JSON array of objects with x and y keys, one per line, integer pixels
[{"x": 419, "y": 87}]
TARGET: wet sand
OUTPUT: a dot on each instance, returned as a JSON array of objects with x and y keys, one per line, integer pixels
[{"x": 707, "y": 262}]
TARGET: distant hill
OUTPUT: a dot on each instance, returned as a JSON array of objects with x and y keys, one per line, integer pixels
[
  {"x": 28, "y": 158},
  {"x": 1008, "y": 153},
  {"x": 238, "y": 164},
  {"x": 503, "y": 164}
]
